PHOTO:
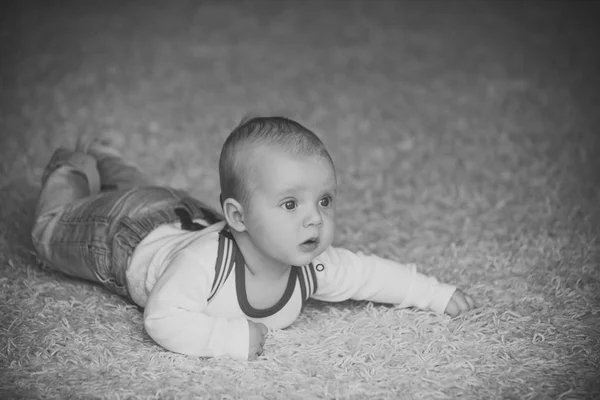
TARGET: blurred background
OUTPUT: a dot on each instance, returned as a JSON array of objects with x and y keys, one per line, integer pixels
[{"x": 474, "y": 106}]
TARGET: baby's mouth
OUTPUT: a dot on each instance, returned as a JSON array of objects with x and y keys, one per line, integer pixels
[{"x": 310, "y": 244}]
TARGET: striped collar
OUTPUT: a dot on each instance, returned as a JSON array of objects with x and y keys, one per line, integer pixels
[{"x": 230, "y": 257}]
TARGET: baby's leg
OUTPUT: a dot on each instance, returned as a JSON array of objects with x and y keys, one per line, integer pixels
[
  {"x": 115, "y": 172},
  {"x": 69, "y": 178}
]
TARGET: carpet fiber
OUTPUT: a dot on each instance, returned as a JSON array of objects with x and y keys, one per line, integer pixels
[{"x": 463, "y": 134}]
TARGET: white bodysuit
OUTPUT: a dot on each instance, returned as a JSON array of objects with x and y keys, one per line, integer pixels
[{"x": 192, "y": 287}]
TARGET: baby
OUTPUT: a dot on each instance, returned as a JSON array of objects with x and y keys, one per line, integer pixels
[{"x": 210, "y": 283}]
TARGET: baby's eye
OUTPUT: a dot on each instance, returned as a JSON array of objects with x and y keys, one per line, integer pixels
[
  {"x": 325, "y": 202},
  {"x": 290, "y": 205}
]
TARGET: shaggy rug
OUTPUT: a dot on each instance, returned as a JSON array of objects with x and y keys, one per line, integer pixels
[{"x": 463, "y": 134}]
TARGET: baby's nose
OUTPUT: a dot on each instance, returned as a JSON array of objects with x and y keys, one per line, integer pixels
[{"x": 314, "y": 218}]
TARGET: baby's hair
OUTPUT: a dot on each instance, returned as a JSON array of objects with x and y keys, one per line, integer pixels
[{"x": 280, "y": 132}]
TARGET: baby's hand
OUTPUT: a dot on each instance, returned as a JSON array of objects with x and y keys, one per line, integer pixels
[
  {"x": 459, "y": 303},
  {"x": 257, "y": 339}
]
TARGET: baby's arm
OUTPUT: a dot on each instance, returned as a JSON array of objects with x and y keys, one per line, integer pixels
[
  {"x": 175, "y": 313},
  {"x": 344, "y": 275}
]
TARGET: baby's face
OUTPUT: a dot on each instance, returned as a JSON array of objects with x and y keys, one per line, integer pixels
[{"x": 290, "y": 217}]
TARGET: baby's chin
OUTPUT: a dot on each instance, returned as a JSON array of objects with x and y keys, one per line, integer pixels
[{"x": 309, "y": 257}]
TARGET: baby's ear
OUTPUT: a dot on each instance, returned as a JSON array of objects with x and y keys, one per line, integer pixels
[{"x": 234, "y": 214}]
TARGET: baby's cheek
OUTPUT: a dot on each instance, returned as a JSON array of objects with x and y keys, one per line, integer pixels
[{"x": 328, "y": 234}]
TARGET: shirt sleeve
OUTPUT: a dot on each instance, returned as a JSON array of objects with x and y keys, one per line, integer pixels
[
  {"x": 342, "y": 275},
  {"x": 174, "y": 316}
]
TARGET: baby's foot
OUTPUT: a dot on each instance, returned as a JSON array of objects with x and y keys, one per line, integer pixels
[
  {"x": 115, "y": 171},
  {"x": 96, "y": 147},
  {"x": 80, "y": 162}
]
